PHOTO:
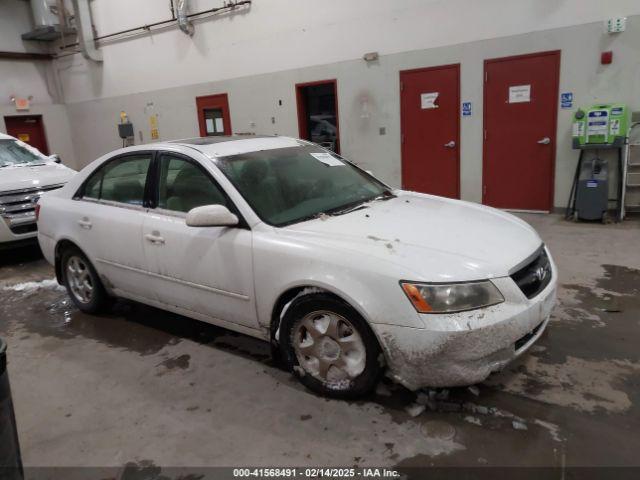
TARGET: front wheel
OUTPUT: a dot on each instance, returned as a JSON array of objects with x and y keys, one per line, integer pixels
[
  {"x": 82, "y": 282},
  {"x": 330, "y": 347}
]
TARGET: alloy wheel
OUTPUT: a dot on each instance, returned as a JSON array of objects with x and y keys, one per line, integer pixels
[
  {"x": 79, "y": 278},
  {"x": 329, "y": 347}
]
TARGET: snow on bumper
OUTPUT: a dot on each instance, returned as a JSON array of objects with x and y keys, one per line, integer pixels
[{"x": 465, "y": 348}]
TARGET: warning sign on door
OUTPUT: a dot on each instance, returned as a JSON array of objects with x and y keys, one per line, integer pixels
[{"x": 520, "y": 94}]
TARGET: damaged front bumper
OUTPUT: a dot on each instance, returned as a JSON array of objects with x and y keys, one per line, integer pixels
[{"x": 466, "y": 347}]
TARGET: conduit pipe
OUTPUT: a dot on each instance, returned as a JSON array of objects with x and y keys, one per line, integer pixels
[
  {"x": 84, "y": 25},
  {"x": 143, "y": 29},
  {"x": 182, "y": 16}
]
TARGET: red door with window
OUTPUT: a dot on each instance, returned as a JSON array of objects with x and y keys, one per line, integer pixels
[
  {"x": 520, "y": 117},
  {"x": 429, "y": 116},
  {"x": 213, "y": 115},
  {"x": 29, "y": 129}
]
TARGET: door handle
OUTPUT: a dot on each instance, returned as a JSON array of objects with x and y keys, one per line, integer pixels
[
  {"x": 544, "y": 141},
  {"x": 85, "y": 223},
  {"x": 154, "y": 239},
  {"x": 451, "y": 144}
]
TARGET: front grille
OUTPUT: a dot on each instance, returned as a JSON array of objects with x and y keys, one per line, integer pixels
[
  {"x": 17, "y": 208},
  {"x": 522, "y": 341},
  {"x": 535, "y": 276}
]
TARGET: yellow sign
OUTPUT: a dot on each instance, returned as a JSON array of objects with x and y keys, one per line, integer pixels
[
  {"x": 153, "y": 123},
  {"x": 23, "y": 137}
]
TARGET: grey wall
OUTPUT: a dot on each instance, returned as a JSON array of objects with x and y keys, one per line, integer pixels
[
  {"x": 254, "y": 100},
  {"x": 36, "y": 79}
]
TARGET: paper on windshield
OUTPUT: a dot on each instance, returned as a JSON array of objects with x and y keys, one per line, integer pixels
[{"x": 328, "y": 159}]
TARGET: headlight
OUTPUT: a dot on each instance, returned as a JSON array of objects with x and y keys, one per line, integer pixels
[{"x": 453, "y": 297}]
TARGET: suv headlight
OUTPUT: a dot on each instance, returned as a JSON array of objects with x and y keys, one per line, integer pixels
[{"x": 452, "y": 297}]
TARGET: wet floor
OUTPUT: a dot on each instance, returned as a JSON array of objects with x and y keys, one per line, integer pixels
[{"x": 142, "y": 387}]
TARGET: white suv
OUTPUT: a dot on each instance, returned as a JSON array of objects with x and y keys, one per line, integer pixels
[
  {"x": 280, "y": 239},
  {"x": 25, "y": 174}
]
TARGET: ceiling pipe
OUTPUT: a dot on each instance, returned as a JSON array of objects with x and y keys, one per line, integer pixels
[
  {"x": 25, "y": 56},
  {"x": 184, "y": 23},
  {"x": 85, "y": 31},
  {"x": 148, "y": 28}
]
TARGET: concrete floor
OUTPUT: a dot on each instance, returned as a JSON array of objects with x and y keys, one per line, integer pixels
[{"x": 143, "y": 387}]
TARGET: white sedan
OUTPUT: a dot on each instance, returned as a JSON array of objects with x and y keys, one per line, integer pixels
[{"x": 280, "y": 239}]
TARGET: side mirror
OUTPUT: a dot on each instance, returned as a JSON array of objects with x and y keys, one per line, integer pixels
[
  {"x": 211, "y": 216},
  {"x": 56, "y": 158}
]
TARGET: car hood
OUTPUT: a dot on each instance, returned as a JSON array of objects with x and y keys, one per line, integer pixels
[
  {"x": 431, "y": 238},
  {"x": 22, "y": 177}
]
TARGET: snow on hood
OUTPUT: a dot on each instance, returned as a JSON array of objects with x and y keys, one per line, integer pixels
[
  {"x": 437, "y": 238},
  {"x": 32, "y": 176}
]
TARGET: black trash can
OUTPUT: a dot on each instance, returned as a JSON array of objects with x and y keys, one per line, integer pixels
[{"x": 10, "y": 460}]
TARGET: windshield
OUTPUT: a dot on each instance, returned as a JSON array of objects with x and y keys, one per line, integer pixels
[
  {"x": 12, "y": 153},
  {"x": 288, "y": 185}
]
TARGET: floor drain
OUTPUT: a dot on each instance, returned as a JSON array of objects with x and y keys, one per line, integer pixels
[{"x": 438, "y": 429}]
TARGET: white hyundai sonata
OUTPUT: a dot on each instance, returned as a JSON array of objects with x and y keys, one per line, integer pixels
[{"x": 280, "y": 239}]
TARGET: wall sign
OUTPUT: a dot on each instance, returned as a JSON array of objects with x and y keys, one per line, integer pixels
[
  {"x": 566, "y": 100},
  {"x": 153, "y": 123},
  {"x": 22, "y": 103},
  {"x": 467, "y": 109},
  {"x": 520, "y": 94},
  {"x": 428, "y": 100}
]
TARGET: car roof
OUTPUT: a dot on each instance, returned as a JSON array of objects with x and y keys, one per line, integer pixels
[
  {"x": 222, "y": 146},
  {"x": 6, "y": 137}
]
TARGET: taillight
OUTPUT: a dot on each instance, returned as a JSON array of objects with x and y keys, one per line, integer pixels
[{"x": 37, "y": 211}]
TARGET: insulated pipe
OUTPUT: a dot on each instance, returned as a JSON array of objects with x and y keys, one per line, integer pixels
[
  {"x": 183, "y": 19},
  {"x": 164, "y": 23},
  {"x": 85, "y": 31}
]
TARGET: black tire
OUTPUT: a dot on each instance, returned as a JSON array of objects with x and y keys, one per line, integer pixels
[
  {"x": 305, "y": 305},
  {"x": 99, "y": 300}
]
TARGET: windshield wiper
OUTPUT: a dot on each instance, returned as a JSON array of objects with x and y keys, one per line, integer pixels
[
  {"x": 335, "y": 213},
  {"x": 386, "y": 195}
]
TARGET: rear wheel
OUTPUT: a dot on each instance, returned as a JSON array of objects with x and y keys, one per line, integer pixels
[
  {"x": 82, "y": 282},
  {"x": 330, "y": 347}
]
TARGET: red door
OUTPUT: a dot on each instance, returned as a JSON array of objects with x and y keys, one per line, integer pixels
[
  {"x": 520, "y": 115},
  {"x": 213, "y": 115},
  {"x": 29, "y": 129},
  {"x": 429, "y": 116}
]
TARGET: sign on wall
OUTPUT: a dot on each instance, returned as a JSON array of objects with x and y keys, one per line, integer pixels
[
  {"x": 467, "y": 109},
  {"x": 22, "y": 103},
  {"x": 566, "y": 100},
  {"x": 153, "y": 123}
]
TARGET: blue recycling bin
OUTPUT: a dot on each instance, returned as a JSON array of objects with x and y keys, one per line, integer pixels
[{"x": 10, "y": 459}]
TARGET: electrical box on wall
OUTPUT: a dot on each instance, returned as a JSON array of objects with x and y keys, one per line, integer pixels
[
  {"x": 616, "y": 25},
  {"x": 606, "y": 124}
]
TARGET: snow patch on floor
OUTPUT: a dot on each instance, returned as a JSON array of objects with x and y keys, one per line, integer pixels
[{"x": 50, "y": 283}]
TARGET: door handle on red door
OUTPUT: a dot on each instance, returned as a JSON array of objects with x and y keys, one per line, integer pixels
[
  {"x": 544, "y": 141},
  {"x": 85, "y": 223},
  {"x": 451, "y": 144},
  {"x": 154, "y": 238}
]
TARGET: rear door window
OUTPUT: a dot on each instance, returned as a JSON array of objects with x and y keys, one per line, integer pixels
[{"x": 122, "y": 180}]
